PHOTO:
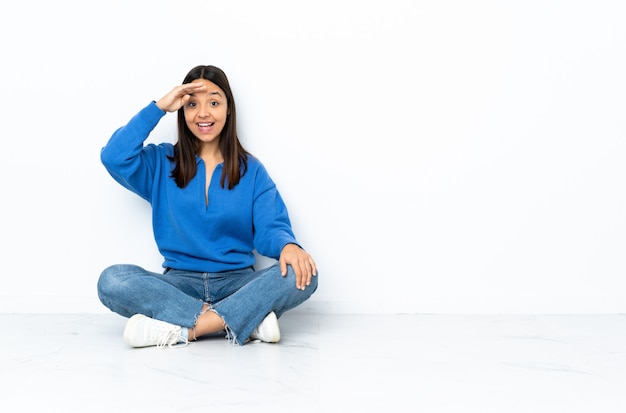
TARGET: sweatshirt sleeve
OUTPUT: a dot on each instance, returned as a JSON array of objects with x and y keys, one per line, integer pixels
[
  {"x": 272, "y": 226},
  {"x": 126, "y": 158}
]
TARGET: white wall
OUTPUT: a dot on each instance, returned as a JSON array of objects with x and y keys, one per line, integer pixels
[{"x": 436, "y": 156}]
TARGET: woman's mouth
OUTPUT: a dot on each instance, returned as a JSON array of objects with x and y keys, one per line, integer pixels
[{"x": 205, "y": 127}]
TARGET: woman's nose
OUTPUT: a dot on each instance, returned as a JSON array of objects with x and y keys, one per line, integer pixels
[{"x": 204, "y": 111}]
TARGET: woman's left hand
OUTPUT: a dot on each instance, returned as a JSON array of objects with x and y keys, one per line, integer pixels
[{"x": 301, "y": 262}]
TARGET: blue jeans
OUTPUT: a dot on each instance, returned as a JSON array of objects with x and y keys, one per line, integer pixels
[{"x": 242, "y": 298}]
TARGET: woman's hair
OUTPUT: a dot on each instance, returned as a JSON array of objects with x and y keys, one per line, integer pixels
[{"x": 187, "y": 147}]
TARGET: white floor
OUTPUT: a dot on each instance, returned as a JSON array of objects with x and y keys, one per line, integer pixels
[{"x": 355, "y": 363}]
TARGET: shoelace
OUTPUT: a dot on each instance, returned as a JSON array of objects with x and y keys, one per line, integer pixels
[{"x": 164, "y": 337}]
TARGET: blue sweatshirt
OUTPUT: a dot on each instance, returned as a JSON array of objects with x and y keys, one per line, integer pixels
[{"x": 190, "y": 234}]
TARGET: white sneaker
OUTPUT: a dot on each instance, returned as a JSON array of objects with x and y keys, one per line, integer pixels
[
  {"x": 268, "y": 331},
  {"x": 143, "y": 331}
]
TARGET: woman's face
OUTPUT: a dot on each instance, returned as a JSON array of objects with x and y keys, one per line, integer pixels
[{"x": 206, "y": 112}]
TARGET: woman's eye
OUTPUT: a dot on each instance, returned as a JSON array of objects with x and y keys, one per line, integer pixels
[
  {"x": 191, "y": 104},
  {"x": 214, "y": 103}
]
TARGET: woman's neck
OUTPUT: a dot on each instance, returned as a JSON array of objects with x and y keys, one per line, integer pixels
[{"x": 211, "y": 154}]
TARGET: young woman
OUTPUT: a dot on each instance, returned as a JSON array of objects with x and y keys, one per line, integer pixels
[{"x": 213, "y": 204}]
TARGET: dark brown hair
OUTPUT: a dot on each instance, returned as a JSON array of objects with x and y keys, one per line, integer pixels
[{"x": 187, "y": 147}]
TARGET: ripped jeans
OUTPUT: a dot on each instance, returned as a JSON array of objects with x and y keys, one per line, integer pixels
[{"x": 242, "y": 298}]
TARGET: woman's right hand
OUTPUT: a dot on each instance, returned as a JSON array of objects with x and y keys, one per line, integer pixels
[{"x": 178, "y": 96}]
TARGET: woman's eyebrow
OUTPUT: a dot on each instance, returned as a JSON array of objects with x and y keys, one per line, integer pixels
[{"x": 210, "y": 93}]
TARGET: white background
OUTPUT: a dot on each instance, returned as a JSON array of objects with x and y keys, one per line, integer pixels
[{"x": 435, "y": 156}]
